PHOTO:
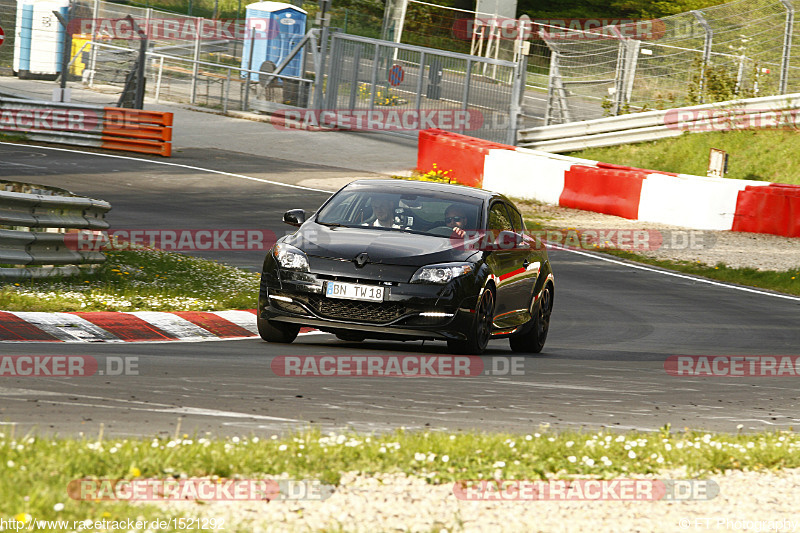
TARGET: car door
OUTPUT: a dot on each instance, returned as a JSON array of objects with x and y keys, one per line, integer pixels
[
  {"x": 530, "y": 261},
  {"x": 508, "y": 264}
]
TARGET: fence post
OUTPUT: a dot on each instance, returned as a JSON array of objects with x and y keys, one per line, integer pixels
[
  {"x": 196, "y": 58},
  {"x": 95, "y": 16},
  {"x": 158, "y": 78},
  {"x": 320, "y": 64},
  {"x": 420, "y": 76},
  {"x": 227, "y": 92},
  {"x": 619, "y": 74},
  {"x": 787, "y": 44},
  {"x": 465, "y": 95},
  {"x": 706, "y": 50},
  {"x": 555, "y": 93},
  {"x": 517, "y": 92},
  {"x": 246, "y": 99}
]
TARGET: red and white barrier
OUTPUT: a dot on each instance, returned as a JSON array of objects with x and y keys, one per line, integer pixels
[{"x": 639, "y": 194}]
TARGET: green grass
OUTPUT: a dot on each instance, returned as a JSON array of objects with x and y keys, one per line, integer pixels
[
  {"x": 754, "y": 154},
  {"x": 139, "y": 280},
  {"x": 36, "y": 471}
]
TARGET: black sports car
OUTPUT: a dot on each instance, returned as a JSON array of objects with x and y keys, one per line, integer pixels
[{"x": 409, "y": 260}]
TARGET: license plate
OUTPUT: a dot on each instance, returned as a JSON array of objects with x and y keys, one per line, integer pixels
[{"x": 353, "y": 291}]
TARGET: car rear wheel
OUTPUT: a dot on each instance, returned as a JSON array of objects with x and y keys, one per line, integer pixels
[
  {"x": 533, "y": 340},
  {"x": 478, "y": 336},
  {"x": 277, "y": 332}
]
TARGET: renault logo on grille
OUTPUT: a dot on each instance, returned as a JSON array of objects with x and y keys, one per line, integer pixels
[{"x": 361, "y": 259}]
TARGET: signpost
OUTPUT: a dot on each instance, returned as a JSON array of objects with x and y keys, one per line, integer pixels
[
  {"x": 2, "y": 36},
  {"x": 396, "y": 75}
]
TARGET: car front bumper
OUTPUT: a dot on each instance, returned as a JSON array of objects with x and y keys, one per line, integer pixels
[{"x": 409, "y": 310}]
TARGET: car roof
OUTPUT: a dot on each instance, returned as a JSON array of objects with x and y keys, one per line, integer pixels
[{"x": 412, "y": 185}]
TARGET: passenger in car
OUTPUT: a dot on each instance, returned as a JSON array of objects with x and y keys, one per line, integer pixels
[{"x": 455, "y": 216}]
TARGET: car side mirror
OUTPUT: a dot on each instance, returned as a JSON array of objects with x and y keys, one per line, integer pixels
[{"x": 294, "y": 217}]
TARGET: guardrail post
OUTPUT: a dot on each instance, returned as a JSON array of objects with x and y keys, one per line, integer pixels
[
  {"x": 787, "y": 45},
  {"x": 709, "y": 41},
  {"x": 196, "y": 59}
]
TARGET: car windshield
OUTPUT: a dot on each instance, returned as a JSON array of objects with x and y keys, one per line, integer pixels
[{"x": 427, "y": 212}]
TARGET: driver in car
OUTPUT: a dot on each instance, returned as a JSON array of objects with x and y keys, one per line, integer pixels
[{"x": 383, "y": 209}]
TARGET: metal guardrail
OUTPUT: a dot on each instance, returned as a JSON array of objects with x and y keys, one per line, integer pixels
[
  {"x": 653, "y": 125},
  {"x": 26, "y": 254},
  {"x": 111, "y": 128}
]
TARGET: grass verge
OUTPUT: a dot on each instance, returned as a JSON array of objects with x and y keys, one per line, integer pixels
[
  {"x": 754, "y": 154},
  {"x": 139, "y": 280},
  {"x": 38, "y": 470}
]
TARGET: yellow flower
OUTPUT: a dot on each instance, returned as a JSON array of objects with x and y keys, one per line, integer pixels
[
  {"x": 106, "y": 515},
  {"x": 134, "y": 472},
  {"x": 23, "y": 517}
]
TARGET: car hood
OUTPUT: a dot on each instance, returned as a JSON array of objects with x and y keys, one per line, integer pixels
[{"x": 382, "y": 246}]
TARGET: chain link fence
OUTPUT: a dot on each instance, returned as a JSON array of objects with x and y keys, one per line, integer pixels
[{"x": 742, "y": 49}]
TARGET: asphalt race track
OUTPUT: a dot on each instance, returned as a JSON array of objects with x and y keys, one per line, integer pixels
[{"x": 613, "y": 327}]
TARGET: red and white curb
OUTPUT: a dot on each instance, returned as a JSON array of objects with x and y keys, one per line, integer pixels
[{"x": 138, "y": 326}]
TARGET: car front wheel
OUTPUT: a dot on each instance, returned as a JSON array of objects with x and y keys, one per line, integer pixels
[
  {"x": 533, "y": 340},
  {"x": 478, "y": 337},
  {"x": 277, "y": 332}
]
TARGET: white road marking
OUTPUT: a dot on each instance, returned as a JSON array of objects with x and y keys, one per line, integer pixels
[
  {"x": 167, "y": 163},
  {"x": 675, "y": 274}
]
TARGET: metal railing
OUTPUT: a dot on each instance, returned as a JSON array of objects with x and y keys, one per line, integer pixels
[
  {"x": 654, "y": 125},
  {"x": 47, "y": 248}
]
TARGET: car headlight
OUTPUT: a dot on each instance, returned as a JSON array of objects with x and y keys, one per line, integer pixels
[
  {"x": 290, "y": 258},
  {"x": 442, "y": 273}
]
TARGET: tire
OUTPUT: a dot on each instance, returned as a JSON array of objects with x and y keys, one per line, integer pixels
[
  {"x": 350, "y": 336},
  {"x": 533, "y": 340},
  {"x": 480, "y": 333},
  {"x": 277, "y": 332}
]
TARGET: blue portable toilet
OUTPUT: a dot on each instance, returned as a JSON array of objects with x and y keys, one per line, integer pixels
[
  {"x": 273, "y": 30},
  {"x": 39, "y": 38}
]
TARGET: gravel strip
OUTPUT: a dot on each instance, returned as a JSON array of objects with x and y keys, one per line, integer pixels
[
  {"x": 734, "y": 249},
  {"x": 397, "y": 502}
]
